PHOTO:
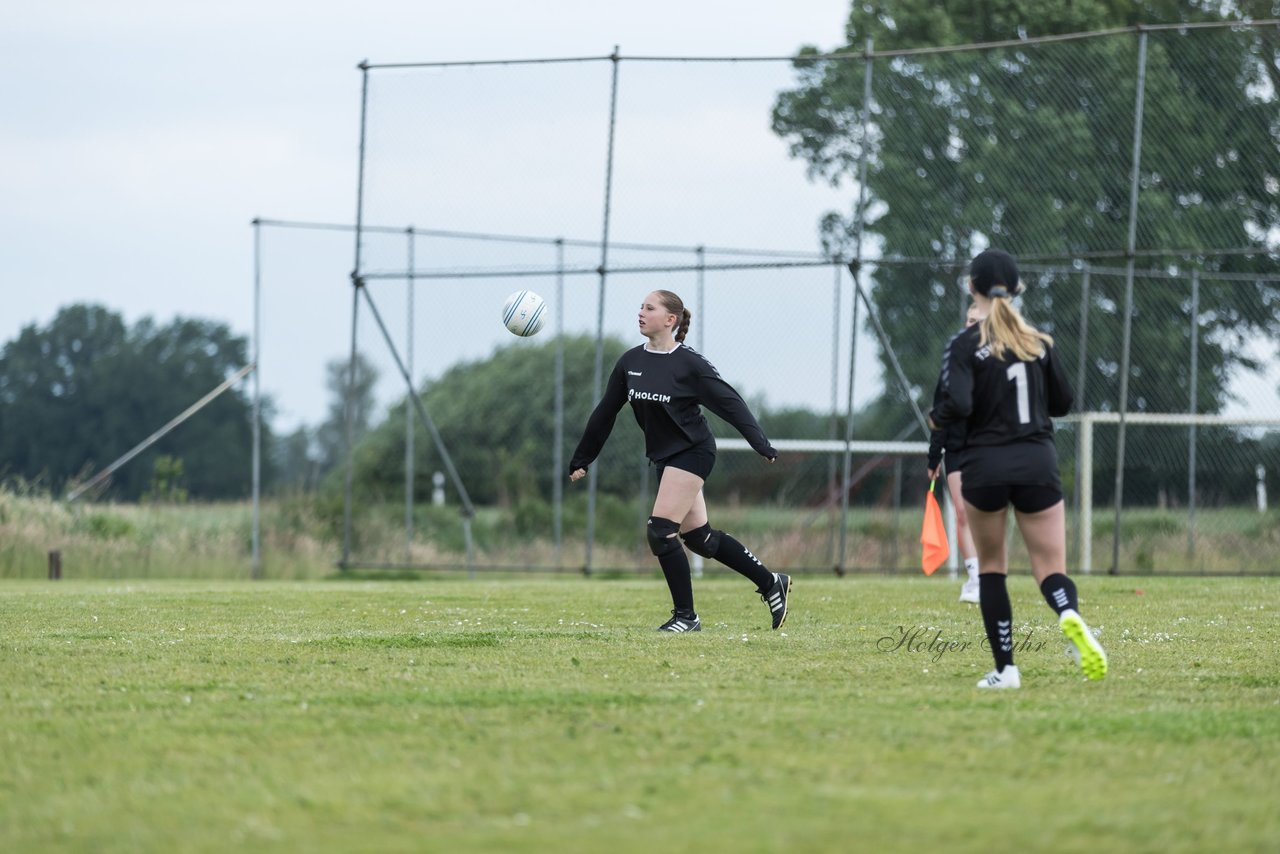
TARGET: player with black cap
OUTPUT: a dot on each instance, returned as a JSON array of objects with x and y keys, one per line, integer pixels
[{"x": 1003, "y": 378}]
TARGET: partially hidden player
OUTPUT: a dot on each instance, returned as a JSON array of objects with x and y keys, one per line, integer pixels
[
  {"x": 665, "y": 381},
  {"x": 1004, "y": 379},
  {"x": 949, "y": 443}
]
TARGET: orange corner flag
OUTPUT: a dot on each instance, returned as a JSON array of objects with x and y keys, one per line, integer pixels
[{"x": 933, "y": 536}]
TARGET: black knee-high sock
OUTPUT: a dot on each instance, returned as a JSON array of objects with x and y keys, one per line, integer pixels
[
  {"x": 675, "y": 567},
  {"x": 1060, "y": 592},
  {"x": 739, "y": 558},
  {"x": 997, "y": 616}
]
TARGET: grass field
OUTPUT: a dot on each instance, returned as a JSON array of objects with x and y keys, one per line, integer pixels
[{"x": 538, "y": 715}]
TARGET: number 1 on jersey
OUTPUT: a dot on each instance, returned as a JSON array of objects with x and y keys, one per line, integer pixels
[{"x": 1017, "y": 374}]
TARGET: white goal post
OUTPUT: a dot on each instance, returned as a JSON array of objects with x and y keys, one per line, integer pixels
[
  {"x": 1086, "y": 422},
  {"x": 859, "y": 448},
  {"x": 1083, "y": 422}
]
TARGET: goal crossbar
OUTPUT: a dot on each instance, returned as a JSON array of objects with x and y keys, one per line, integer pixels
[
  {"x": 1083, "y": 423},
  {"x": 832, "y": 446}
]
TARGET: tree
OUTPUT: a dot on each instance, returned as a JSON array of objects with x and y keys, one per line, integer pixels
[
  {"x": 179, "y": 362},
  {"x": 166, "y": 483},
  {"x": 295, "y": 462},
  {"x": 345, "y": 391},
  {"x": 1029, "y": 149},
  {"x": 496, "y": 418},
  {"x": 80, "y": 392}
]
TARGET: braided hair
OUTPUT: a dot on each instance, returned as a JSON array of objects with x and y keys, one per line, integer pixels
[{"x": 672, "y": 303}]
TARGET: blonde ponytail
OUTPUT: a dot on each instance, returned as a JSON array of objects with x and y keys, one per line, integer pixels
[{"x": 1005, "y": 331}]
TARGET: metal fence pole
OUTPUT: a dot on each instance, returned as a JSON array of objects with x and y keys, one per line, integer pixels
[
  {"x": 255, "y": 563},
  {"x": 897, "y": 514},
  {"x": 1082, "y": 399},
  {"x": 834, "y": 425},
  {"x": 349, "y": 430},
  {"x": 1130, "y": 249},
  {"x": 356, "y": 284},
  {"x": 949, "y": 508},
  {"x": 860, "y": 219},
  {"x": 1086, "y": 490},
  {"x": 642, "y": 507},
  {"x": 696, "y": 562},
  {"x": 598, "y": 375},
  {"x": 846, "y": 462},
  {"x": 702, "y": 298},
  {"x": 557, "y": 452},
  {"x": 1192, "y": 408},
  {"x": 408, "y": 411}
]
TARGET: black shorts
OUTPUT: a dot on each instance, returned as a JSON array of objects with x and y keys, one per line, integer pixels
[
  {"x": 1024, "y": 474},
  {"x": 698, "y": 460},
  {"x": 1025, "y": 498},
  {"x": 954, "y": 461}
]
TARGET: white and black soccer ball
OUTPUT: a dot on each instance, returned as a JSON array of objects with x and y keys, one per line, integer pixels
[{"x": 524, "y": 313}]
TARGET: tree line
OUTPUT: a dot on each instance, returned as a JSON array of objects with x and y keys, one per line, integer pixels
[{"x": 77, "y": 393}]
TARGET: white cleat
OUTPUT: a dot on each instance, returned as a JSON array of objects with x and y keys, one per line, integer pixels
[
  {"x": 969, "y": 592},
  {"x": 1007, "y": 678}
]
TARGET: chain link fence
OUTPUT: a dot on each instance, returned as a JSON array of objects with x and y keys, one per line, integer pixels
[{"x": 1133, "y": 173}]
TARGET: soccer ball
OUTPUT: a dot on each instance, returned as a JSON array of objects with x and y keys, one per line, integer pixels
[{"x": 524, "y": 313}]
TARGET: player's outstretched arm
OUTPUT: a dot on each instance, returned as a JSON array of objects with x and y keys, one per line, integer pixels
[{"x": 600, "y": 424}]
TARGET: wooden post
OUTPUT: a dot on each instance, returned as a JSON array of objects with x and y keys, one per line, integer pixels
[{"x": 55, "y": 565}]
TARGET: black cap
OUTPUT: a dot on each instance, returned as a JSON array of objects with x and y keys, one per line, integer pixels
[{"x": 994, "y": 267}]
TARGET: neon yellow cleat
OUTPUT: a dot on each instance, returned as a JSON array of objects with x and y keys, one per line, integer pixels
[{"x": 1091, "y": 656}]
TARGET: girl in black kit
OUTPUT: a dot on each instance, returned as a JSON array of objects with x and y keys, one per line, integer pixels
[
  {"x": 665, "y": 381},
  {"x": 950, "y": 441},
  {"x": 1003, "y": 379}
]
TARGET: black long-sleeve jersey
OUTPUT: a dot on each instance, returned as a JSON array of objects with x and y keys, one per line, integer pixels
[
  {"x": 1005, "y": 405},
  {"x": 950, "y": 439},
  {"x": 665, "y": 390}
]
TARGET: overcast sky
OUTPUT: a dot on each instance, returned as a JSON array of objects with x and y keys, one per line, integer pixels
[{"x": 141, "y": 138}]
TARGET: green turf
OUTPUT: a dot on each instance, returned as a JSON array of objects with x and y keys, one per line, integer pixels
[{"x": 538, "y": 715}]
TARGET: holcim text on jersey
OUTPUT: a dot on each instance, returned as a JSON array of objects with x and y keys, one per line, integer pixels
[{"x": 632, "y": 394}]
